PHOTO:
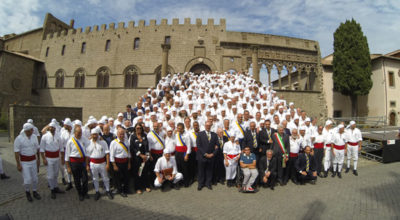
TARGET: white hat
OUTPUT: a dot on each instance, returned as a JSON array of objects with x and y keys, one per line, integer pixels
[
  {"x": 140, "y": 111},
  {"x": 307, "y": 119},
  {"x": 328, "y": 122},
  {"x": 117, "y": 123},
  {"x": 94, "y": 131},
  {"x": 53, "y": 124},
  {"x": 77, "y": 122},
  {"x": 341, "y": 126},
  {"x": 68, "y": 122},
  {"x": 30, "y": 121},
  {"x": 120, "y": 115},
  {"x": 147, "y": 109},
  {"x": 152, "y": 113},
  {"x": 302, "y": 128},
  {"x": 169, "y": 128},
  {"x": 110, "y": 119},
  {"x": 352, "y": 122},
  {"x": 166, "y": 151},
  {"x": 92, "y": 121},
  {"x": 102, "y": 121},
  {"x": 27, "y": 126}
]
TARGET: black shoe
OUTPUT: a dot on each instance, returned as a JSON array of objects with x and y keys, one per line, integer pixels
[
  {"x": 325, "y": 174},
  {"x": 123, "y": 195},
  {"x": 222, "y": 182},
  {"x": 280, "y": 182},
  {"x": 176, "y": 186},
  {"x": 29, "y": 197},
  {"x": 355, "y": 172},
  {"x": 214, "y": 183},
  {"x": 313, "y": 182},
  {"x": 58, "y": 190},
  {"x": 81, "y": 198},
  {"x": 109, "y": 195},
  {"x": 209, "y": 187},
  {"x": 271, "y": 187},
  {"x": 64, "y": 182},
  {"x": 36, "y": 195},
  {"x": 347, "y": 170},
  {"x": 295, "y": 182},
  {"x": 4, "y": 176},
  {"x": 339, "y": 174},
  {"x": 69, "y": 187},
  {"x": 53, "y": 194},
  {"x": 87, "y": 196},
  {"x": 333, "y": 174},
  {"x": 186, "y": 185},
  {"x": 97, "y": 196},
  {"x": 199, "y": 188}
]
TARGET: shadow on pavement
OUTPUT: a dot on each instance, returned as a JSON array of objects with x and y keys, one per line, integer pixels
[{"x": 315, "y": 210}]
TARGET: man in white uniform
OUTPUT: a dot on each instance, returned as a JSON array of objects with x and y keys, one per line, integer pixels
[
  {"x": 51, "y": 149},
  {"x": 231, "y": 152},
  {"x": 354, "y": 144},
  {"x": 26, "y": 149},
  {"x": 166, "y": 170},
  {"x": 339, "y": 147}
]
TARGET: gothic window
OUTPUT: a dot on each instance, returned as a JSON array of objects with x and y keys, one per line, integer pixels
[
  {"x": 131, "y": 77},
  {"x": 136, "y": 43},
  {"x": 63, "y": 50},
  {"x": 108, "y": 44},
  {"x": 103, "y": 76},
  {"x": 80, "y": 78},
  {"x": 167, "y": 40},
  {"x": 83, "y": 48},
  {"x": 60, "y": 78},
  {"x": 47, "y": 51}
]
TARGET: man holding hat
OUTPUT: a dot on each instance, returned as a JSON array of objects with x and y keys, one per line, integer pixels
[
  {"x": 354, "y": 144},
  {"x": 26, "y": 149},
  {"x": 51, "y": 149},
  {"x": 167, "y": 170}
]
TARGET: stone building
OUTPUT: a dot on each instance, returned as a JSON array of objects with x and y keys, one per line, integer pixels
[{"x": 103, "y": 68}]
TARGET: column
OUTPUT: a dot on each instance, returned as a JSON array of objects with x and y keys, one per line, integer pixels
[
  {"x": 256, "y": 70},
  {"x": 289, "y": 68},
  {"x": 308, "y": 70},
  {"x": 299, "y": 70},
  {"x": 164, "y": 64},
  {"x": 268, "y": 65}
]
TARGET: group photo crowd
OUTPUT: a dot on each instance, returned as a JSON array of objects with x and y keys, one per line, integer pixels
[{"x": 215, "y": 128}]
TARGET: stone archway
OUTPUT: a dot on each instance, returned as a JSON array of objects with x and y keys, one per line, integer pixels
[
  {"x": 208, "y": 64},
  {"x": 199, "y": 68},
  {"x": 392, "y": 119}
]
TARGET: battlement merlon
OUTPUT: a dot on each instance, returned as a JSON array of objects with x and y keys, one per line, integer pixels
[{"x": 66, "y": 30}]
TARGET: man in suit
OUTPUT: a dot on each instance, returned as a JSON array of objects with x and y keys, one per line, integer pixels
[
  {"x": 266, "y": 137},
  {"x": 306, "y": 166},
  {"x": 129, "y": 114},
  {"x": 252, "y": 139},
  {"x": 219, "y": 168},
  {"x": 207, "y": 147},
  {"x": 267, "y": 170},
  {"x": 281, "y": 148}
]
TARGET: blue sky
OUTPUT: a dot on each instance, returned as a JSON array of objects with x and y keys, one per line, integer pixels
[{"x": 310, "y": 19}]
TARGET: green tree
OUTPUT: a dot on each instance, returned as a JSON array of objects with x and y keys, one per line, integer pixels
[{"x": 351, "y": 62}]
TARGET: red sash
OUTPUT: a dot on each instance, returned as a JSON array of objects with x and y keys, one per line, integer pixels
[
  {"x": 181, "y": 149},
  {"x": 293, "y": 155},
  {"x": 318, "y": 145},
  {"x": 156, "y": 151},
  {"x": 327, "y": 145},
  {"x": 339, "y": 147},
  {"x": 50, "y": 154},
  {"x": 353, "y": 143},
  {"x": 120, "y": 160},
  {"x": 98, "y": 160},
  {"x": 27, "y": 158},
  {"x": 76, "y": 159},
  {"x": 232, "y": 155},
  {"x": 194, "y": 149}
]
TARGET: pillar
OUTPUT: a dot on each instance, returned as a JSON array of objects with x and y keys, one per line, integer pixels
[
  {"x": 299, "y": 70},
  {"x": 164, "y": 64},
  {"x": 256, "y": 70},
  {"x": 308, "y": 71},
  {"x": 289, "y": 71}
]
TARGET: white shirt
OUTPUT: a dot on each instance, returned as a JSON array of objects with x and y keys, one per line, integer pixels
[
  {"x": 354, "y": 136},
  {"x": 294, "y": 145},
  {"x": 193, "y": 136},
  {"x": 65, "y": 135},
  {"x": 170, "y": 143},
  {"x": 154, "y": 144},
  {"x": 305, "y": 141},
  {"x": 71, "y": 149},
  {"x": 186, "y": 139},
  {"x": 237, "y": 130},
  {"x": 97, "y": 149},
  {"x": 163, "y": 164},
  {"x": 319, "y": 138},
  {"x": 231, "y": 148},
  {"x": 327, "y": 135},
  {"x": 50, "y": 143},
  {"x": 339, "y": 139},
  {"x": 26, "y": 146},
  {"x": 117, "y": 151}
]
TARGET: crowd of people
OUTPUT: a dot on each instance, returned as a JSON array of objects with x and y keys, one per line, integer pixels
[{"x": 210, "y": 128}]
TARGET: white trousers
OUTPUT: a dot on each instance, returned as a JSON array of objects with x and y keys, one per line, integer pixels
[
  {"x": 53, "y": 165},
  {"x": 230, "y": 170},
  {"x": 328, "y": 158},
  {"x": 29, "y": 174},
  {"x": 338, "y": 160},
  {"x": 99, "y": 169},
  {"x": 1, "y": 166},
  {"x": 352, "y": 153},
  {"x": 250, "y": 176},
  {"x": 178, "y": 177}
]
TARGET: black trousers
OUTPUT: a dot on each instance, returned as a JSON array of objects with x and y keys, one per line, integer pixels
[
  {"x": 205, "y": 171},
  {"x": 319, "y": 155},
  {"x": 143, "y": 181},
  {"x": 122, "y": 177},
  {"x": 80, "y": 177},
  {"x": 307, "y": 177},
  {"x": 271, "y": 179},
  {"x": 280, "y": 169},
  {"x": 192, "y": 166},
  {"x": 292, "y": 173},
  {"x": 219, "y": 168},
  {"x": 152, "y": 165},
  {"x": 183, "y": 166}
]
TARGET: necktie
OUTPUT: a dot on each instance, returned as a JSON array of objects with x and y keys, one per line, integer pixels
[
  {"x": 208, "y": 136},
  {"x": 308, "y": 163},
  {"x": 254, "y": 140}
]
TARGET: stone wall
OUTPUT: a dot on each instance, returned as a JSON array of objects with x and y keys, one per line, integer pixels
[
  {"x": 41, "y": 116},
  {"x": 313, "y": 102}
]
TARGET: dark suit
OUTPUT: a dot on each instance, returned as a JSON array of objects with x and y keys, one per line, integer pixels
[
  {"x": 249, "y": 142},
  {"x": 279, "y": 154},
  {"x": 272, "y": 167},
  {"x": 132, "y": 114},
  {"x": 205, "y": 165},
  {"x": 301, "y": 165},
  {"x": 219, "y": 168},
  {"x": 264, "y": 138},
  {"x": 287, "y": 131}
]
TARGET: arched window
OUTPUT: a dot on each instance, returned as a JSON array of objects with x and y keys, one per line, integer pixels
[
  {"x": 136, "y": 43},
  {"x": 80, "y": 78},
  {"x": 131, "y": 77},
  {"x": 103, "y": 76},
  {"x": 83, "y": 48},
  {"x": 60, "y": 78}
]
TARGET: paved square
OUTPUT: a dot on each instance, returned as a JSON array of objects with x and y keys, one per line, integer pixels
[{"x": 374, "y": 194}]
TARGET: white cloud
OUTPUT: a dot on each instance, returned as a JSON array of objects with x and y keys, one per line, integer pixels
[{"x": 18, "y": 16}]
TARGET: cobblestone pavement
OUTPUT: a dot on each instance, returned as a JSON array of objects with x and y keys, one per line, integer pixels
[{"x": 374, "y": 194}]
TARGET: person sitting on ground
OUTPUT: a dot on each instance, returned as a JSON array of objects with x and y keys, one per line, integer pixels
[
  {"x": 268, "y": 168},
  {"x": 248, "y": 165},
  {"x": 166, "y": 171},
  {"x": 306, "y": 167}
]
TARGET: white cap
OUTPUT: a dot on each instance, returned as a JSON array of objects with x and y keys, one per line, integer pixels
[
  {"x": 30, "y": 121},
  {"x": 352, "y": 122},
  {"x": 94, "y": 131},
  {"x": 53, "y": 124},
  {"x": 341, "y": 126},
  {"x": 77, "y": 122},
  {"x": 27, "y": 126},
  {"x": 328, "y": 122},
  {"x": 92, "y": 121},
  {"x": 110, "y": 119},
  {"x": 169, "y": 128},
  {"x": 120, "y": 115},
  {"x": 307, "y": 119},
  {"x": 166, "y": 151},
  {"x": 68, "y": 122},
  {"x": 302, "y": 128}
]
